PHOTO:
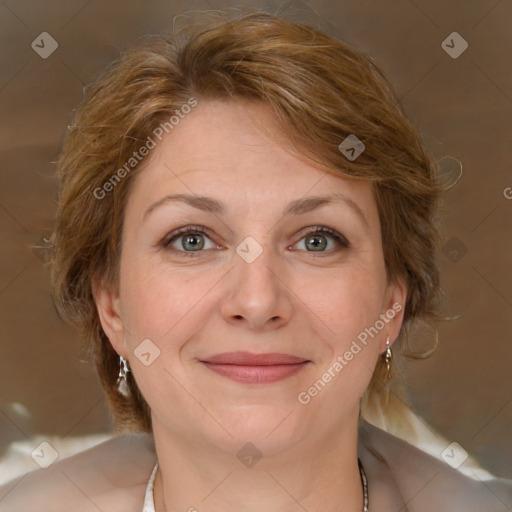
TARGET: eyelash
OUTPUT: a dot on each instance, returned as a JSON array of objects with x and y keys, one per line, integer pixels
[{"x": 186, "y": 230}]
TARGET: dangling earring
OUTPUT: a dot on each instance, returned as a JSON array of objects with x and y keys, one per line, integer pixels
[
  {"x": 388, "y": 358},
  {"x": 122, "y": 384}
]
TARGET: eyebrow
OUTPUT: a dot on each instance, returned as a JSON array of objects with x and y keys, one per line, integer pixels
[{"x": 296, "y": 207}]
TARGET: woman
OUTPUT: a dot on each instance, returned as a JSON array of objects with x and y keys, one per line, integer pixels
[{"x": 246, "y": 228}]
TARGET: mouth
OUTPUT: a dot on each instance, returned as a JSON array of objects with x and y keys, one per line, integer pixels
[{"x": 250, "y": 368}]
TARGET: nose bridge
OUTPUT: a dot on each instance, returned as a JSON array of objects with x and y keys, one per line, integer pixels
[
  {"x": 257, "y": 293},
  {"x": 255, "y": 264}
]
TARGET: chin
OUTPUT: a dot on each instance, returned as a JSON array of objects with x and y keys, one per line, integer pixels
[{"x": 272, "y": 429}]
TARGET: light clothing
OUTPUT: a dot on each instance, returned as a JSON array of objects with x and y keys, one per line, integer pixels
[
  {"x": 402, "y": 477},
  {"x": 149, "y": 502}
]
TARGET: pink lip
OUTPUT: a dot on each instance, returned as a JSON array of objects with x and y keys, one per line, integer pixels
[{"x": 255, "y": 368}]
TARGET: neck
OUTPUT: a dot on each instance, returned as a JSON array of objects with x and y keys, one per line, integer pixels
[{"x": 315, "y": 474}]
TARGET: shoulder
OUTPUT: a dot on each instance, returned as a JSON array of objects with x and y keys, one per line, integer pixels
[
  {"x": 426, "y": 483},
  {"x": 111, "y": 477}
]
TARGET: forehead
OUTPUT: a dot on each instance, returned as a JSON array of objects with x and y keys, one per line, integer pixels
[{"x": 236, "y": 152}]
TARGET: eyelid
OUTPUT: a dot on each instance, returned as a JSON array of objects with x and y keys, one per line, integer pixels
[
  {"x": 169, "y": 238},
  {"x": 332, "y": 233}
]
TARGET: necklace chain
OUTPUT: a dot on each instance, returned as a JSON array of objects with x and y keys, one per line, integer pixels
[{"x": 364, "y": 481}]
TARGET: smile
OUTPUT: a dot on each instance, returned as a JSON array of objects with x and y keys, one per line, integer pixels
[{"x": 255, "y": 368}]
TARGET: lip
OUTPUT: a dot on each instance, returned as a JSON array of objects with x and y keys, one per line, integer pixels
[{"x": 250, "y": 368}]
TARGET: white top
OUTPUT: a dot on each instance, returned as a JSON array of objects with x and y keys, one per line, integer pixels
[
  {"x": 400, "y": 477},
  {"x": 403, "y": 469},
  {"x": 149, "y": 502}
]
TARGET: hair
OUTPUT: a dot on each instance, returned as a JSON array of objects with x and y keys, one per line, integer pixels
[{"x": 319, "y": 88}]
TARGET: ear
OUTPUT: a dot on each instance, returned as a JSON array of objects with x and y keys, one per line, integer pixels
[
  {"x": 394, "y": 309},
  {"x": 109, "y": 312}
]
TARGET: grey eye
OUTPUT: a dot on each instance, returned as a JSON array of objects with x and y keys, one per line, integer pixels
[
  {"x": 316, "y": 242},
  {"x": 194, "y": 242}
]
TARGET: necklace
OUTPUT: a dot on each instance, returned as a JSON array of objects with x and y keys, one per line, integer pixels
[{"x": 364, "y": 481}]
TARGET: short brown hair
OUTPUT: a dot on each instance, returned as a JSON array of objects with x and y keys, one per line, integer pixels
[{"x": 321, "y": 91}]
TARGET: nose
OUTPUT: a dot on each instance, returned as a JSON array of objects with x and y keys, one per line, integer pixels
[{"x": 256, "y": 294}]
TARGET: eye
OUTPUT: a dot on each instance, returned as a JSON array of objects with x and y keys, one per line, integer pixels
[
  {"x": 317, "y": 238},
  {"x": 188, "y": 240}
]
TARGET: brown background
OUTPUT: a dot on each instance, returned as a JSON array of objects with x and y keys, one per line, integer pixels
[{"x": 463, "y": 107}]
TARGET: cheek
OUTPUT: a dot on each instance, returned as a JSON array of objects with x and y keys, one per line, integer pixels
[
  {"x": 348, "y": 307},
  {"x": 158, "y": 301},
  {"x": 161, "y": 305},
  {"x": 345, "y": 301}
]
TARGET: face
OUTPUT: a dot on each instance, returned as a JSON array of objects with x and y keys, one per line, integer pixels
[{"x": 263, "y": 310}]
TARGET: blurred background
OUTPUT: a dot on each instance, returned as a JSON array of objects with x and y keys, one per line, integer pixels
[{"x": 457, "y": 88}]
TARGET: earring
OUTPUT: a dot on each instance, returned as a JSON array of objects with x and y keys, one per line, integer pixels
[
  {"x": 122, "y": 383},
  {"x": 388, "y": 358}
]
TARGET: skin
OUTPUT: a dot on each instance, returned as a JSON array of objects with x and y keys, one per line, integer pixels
[{"x": 290, "y": 299}]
